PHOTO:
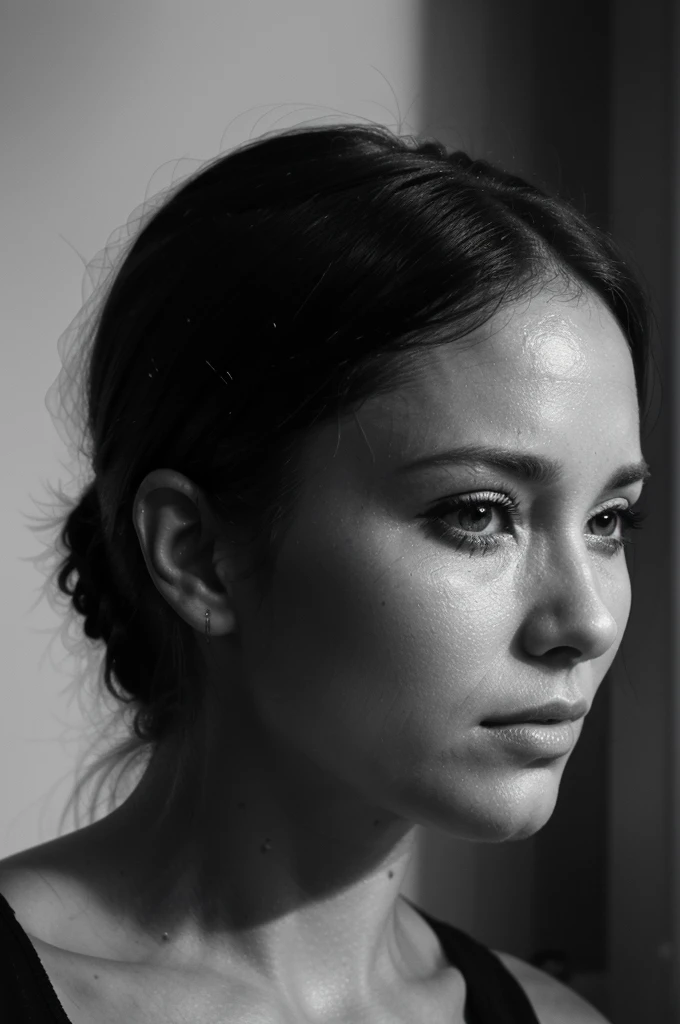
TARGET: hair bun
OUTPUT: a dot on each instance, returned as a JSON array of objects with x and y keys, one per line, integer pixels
[{"x": 85, "y": 574}]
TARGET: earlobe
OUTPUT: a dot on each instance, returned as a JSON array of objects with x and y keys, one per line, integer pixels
[{"x": 178, "y": 537}]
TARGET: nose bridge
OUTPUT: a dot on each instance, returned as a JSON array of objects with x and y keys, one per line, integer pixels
[
  {"x": 568, "y": 608},
  {"x": 574, "y": 577}
]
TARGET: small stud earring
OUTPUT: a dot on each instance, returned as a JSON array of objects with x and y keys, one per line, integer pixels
[{"x": 207, "y": 625}]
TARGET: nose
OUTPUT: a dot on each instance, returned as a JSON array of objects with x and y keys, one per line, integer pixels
[{"x": 568, "y": 619}]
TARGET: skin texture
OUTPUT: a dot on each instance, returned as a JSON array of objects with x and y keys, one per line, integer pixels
[{"x": 346, "y": 687}]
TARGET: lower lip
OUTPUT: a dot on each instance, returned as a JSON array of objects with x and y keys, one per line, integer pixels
[{"x": 537, "y": 739}]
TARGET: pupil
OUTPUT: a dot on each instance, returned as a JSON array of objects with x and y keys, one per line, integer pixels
[{"x": 607, "y": 522}]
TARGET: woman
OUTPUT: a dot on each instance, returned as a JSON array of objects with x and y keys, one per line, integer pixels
[{"x": 363, "y": 428}]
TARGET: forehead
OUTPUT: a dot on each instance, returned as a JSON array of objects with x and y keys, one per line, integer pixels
[
  {"x": 552, "y": 363},
  {"x": 555, "y": 335},
  {"x": 549, "y": 375}
]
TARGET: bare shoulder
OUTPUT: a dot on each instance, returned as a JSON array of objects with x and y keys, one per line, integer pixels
[
  {"x": 38, "y": 885},
  {"x": 95, "y": 988},
  {"x": 26, "y": 876},
  {"x": 23, "y": 878},
  {"x": 553, "y": 1002}
]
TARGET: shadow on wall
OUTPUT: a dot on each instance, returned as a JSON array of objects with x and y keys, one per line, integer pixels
[
  {"x": 523, "y": 84},
  {"x": 526, "y": 85}
]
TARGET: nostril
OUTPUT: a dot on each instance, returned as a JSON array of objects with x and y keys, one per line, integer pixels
[{"x": 566, "y": 656}]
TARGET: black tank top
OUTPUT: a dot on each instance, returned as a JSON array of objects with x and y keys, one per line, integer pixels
[{"x": 494, "y": 996}]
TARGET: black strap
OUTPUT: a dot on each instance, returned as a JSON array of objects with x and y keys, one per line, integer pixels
[
  {"x": 494, "y": 996},
  {"x": 25, "y": 987}
]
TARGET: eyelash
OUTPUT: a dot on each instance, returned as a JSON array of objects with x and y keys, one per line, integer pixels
[{"x": 630, "y": 519}]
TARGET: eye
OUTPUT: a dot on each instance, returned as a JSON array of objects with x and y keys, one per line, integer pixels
[
  {"x": 475, "y": 518},
  {"x": 478, "y": 522},
  {"x": 605, "y": 524},
  {"x": 609, "y": 528}
]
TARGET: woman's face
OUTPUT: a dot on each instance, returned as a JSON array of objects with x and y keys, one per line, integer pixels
[{"x": 454, "y": 562}]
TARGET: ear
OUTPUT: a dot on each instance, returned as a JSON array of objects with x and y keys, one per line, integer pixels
[{"x": 184, "y": 550}]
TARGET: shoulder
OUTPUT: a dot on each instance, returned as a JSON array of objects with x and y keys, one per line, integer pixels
[
  {"x": 21, "y": 882},
  {"x": 43, "y": 893},
  {"x": 553, "y": 1002},
  {"x": 24, "y": 879}
]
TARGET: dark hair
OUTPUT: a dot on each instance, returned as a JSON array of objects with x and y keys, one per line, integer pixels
[{"x": 280, "y": 286}]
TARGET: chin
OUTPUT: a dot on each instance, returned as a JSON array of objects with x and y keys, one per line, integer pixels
[
  {"x": 497, "y": 811},
  {"x": 525, "y": 806}
]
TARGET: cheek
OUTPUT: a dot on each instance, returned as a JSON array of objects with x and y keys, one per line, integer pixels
[
  {"x": 622, "y": 600},
  {"x": 617, "y": 594},
  {"x": 368, "y": 649}
]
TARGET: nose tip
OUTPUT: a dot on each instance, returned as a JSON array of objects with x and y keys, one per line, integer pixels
[{"x": 568, "y": 635}]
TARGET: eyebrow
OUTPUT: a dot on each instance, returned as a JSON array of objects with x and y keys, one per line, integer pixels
[{"x": 537, "y": 469}]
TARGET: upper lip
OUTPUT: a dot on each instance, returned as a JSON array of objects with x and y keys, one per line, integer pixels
[{"x": 559, "y": 710}]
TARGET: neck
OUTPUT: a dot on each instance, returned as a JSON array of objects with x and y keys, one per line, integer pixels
[{"x": 268, "y": 862}]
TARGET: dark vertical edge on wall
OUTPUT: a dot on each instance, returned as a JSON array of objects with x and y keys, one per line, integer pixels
[
  {"x": 675, "y": 503},
  {"x": 640, "y": 806},
  {"x": 571, "y": 102}
]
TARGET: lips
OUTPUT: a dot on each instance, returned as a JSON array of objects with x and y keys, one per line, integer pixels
[{"x": 551, "y": 713}]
